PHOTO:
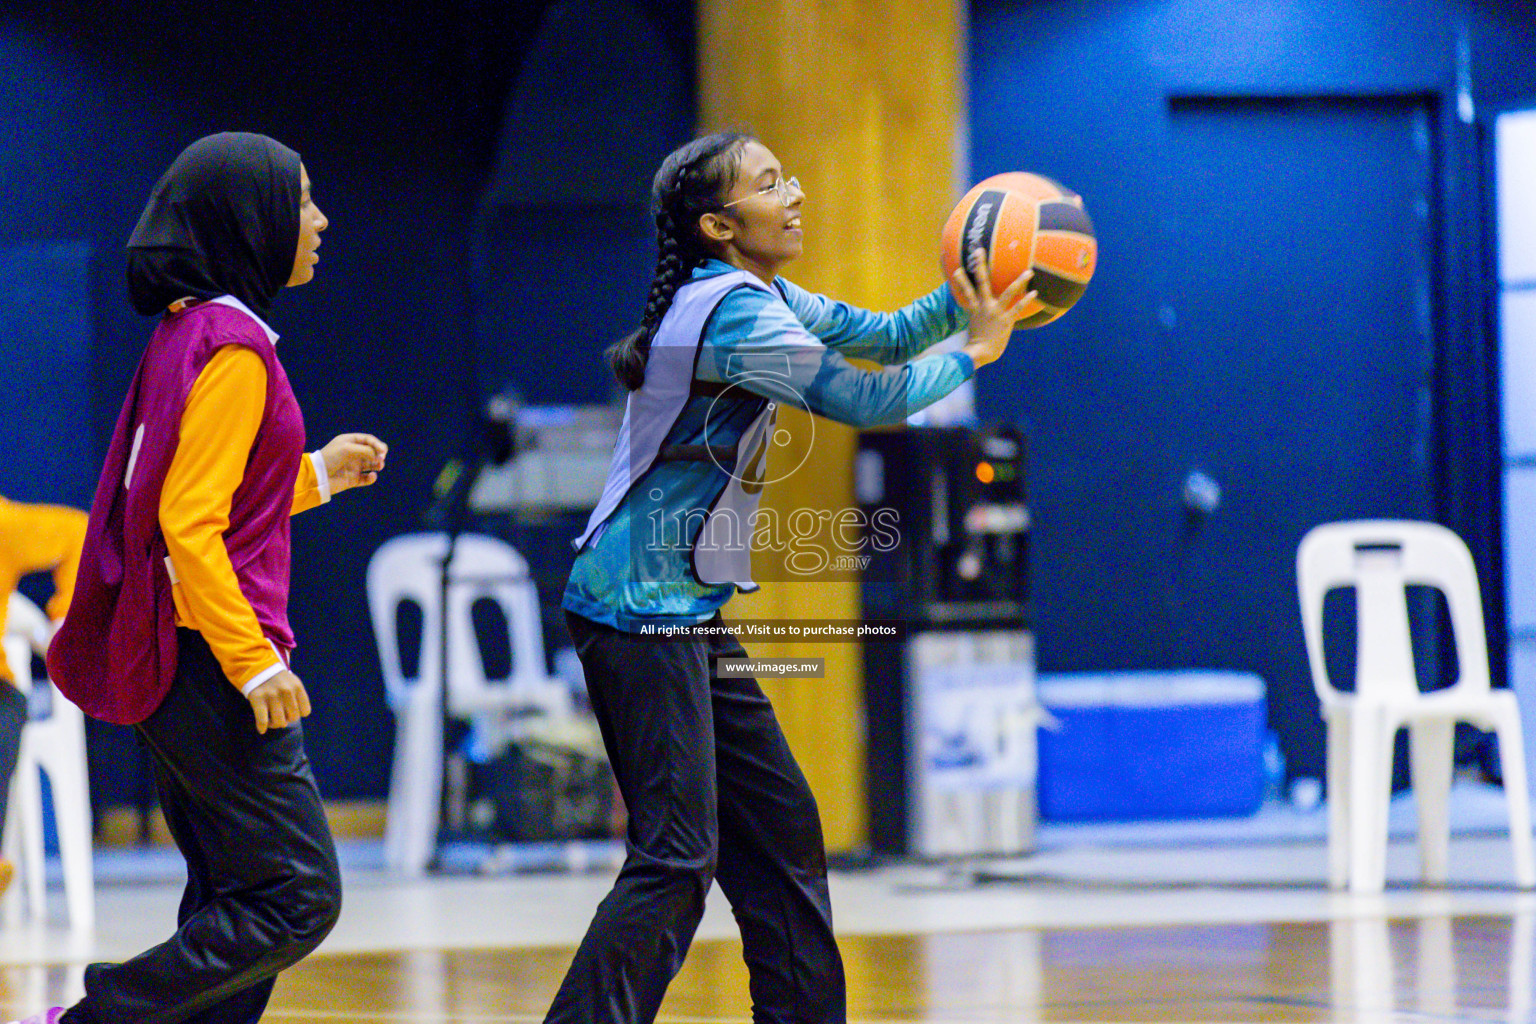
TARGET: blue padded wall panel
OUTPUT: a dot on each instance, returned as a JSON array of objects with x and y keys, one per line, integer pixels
[{"x": 46, "y": 450}]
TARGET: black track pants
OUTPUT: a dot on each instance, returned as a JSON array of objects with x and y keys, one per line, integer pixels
[
  {"x": 13, "y": 717},
  {"x": 263, "y": 887},
  {"x": 714, "y": 794}
]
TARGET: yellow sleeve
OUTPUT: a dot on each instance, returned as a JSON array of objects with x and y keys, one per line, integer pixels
[
  {"x": 307, "y": 491},
  {"x": 65, "y": 528},
  {"x": 218, "y": 426},
  {"x": 39, "y": 538}
]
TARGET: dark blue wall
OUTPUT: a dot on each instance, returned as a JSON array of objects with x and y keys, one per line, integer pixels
[
  {"x": 426, "y": 301},
  {"x": 45, "y": 345},
  {"x": 1087, "y": 92},
  {"x": 569, "y": 204},
  {"x": 398, "y": 112}
]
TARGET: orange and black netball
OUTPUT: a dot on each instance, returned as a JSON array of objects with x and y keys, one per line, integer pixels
[{"x": 1026, "y": 221}]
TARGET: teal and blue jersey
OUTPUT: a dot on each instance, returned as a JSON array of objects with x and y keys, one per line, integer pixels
[{"x": 777, "y": 345}]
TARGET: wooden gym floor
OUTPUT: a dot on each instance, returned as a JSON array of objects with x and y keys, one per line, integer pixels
[
  {"x": 1440, "y": 969},
  {"x": 1207, "y": 924},
  {"x": 1368, "y": 970}
]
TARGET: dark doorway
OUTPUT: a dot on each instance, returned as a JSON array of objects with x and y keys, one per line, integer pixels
[{"x": 1298, "y": 317}]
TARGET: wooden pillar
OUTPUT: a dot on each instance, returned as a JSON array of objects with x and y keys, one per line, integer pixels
[{"x": 862, "y": 102}]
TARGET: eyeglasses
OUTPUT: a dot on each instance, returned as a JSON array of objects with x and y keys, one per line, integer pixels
[{"x": 781, "y": 188}]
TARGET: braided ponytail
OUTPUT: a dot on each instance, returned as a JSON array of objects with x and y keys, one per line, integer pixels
[{"x": 687, "y": 186}]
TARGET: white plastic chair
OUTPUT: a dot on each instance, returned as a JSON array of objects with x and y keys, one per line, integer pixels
[
  {"x": 1379, "y": 558},
  {"x": 484, "y": 567},
  {"x": 408, "y": 569},
  {"x": 55, "y": 745}
]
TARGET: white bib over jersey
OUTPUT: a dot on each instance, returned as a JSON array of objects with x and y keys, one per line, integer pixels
[{"x": 721, "y": 551}]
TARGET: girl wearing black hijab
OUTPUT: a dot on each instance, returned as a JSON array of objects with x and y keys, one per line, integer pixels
[{"x": 179, "y": 624}]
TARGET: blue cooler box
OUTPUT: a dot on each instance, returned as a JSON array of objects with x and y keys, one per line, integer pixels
[{"x": 1134, "y": 745}]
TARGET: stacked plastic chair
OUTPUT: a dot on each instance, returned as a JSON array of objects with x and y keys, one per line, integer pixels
[
  {"x": 409, "y": 570},
  {"x": 55, "y": 746}
]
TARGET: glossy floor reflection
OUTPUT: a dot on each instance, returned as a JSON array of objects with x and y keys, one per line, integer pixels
[
  {"x": 1199, "y": 921},
  {"x": 1366, "y": 970}
]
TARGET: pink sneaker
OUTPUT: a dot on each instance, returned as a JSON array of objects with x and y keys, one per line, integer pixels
[{"x": 49, "y": 1017}]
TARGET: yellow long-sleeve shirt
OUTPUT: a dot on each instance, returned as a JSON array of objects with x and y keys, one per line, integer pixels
[
  {"x": 38, "y": 538},
  {"x": 218, "y": 427}
]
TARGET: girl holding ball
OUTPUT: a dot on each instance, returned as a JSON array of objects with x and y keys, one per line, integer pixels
[{"x": 713, "y": 791}]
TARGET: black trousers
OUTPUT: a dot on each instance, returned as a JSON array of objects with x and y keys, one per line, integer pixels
[
  {"x": 13, "y": 716},
  {"x": 263, "y": 886},
  {"x": 714, "y": 794}
]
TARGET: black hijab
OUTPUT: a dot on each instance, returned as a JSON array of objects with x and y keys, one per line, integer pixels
[{"x": 223, "y": 220}]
